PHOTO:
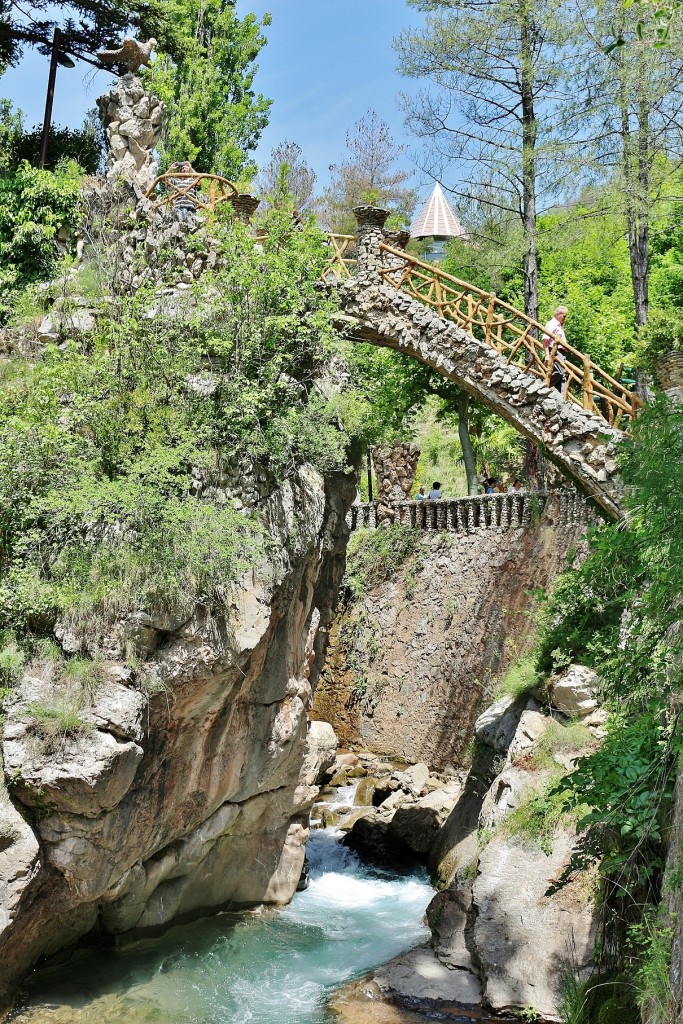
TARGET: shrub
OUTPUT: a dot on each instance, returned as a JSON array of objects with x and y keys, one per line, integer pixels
[{"x": 376, "y": 555}]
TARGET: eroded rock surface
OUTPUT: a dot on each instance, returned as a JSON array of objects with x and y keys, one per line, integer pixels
[{"x": 192, "y": 798}]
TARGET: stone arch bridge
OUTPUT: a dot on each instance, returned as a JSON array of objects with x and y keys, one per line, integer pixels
[{"x": 490, "y": 350}]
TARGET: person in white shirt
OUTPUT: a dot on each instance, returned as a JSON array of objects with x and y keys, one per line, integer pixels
[
  {"x": 554, "y": 329},
  {"x": 516, "y": 488}
]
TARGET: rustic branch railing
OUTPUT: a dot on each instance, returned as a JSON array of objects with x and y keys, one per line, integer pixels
[
  {"x": 511, "y": 333},
  {"x": 343, "y": 258},
  {"x": 204, "y": 191},
  {"x": 485, "y": 511}
]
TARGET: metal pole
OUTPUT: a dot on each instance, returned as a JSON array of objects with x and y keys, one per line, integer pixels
[
  {"x": 50, "y": 97},
  {"x": 369, "y": 476}
]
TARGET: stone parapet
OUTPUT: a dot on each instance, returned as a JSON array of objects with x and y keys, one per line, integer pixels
[{"x": 481, "y": 512}]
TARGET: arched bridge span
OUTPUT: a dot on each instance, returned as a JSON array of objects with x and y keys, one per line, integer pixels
[{"x": 386, "y": 303}]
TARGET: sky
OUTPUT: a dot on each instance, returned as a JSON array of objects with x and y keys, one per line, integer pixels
[{"x": 325, "y": 65}]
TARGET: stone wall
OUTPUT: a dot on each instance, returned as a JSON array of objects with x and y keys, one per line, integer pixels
[
  {"x": 190, "y": 789},
  {"x": 132, "y": 120},
  {"x": 411, "y": 662}
]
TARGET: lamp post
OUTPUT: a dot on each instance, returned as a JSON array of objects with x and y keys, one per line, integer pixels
[{"x": 55, "y": 59}]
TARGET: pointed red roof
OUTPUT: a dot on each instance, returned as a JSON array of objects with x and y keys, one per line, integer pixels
[{"x": 436, "y": 219}]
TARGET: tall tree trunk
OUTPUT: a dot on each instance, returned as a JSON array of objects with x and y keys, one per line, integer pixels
[
  {"x": 529, "y": 137},
  {"x": 463, "y": 406},
  {"x": 635, "y": 157},
  {"x": 533, "y": 458}
]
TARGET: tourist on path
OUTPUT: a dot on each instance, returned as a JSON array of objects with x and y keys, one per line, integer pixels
[
  {"x": 435, "y": 492},
  {"x": 421, "y": 495},
  {"x": 516, "y": 487},
  {"x": 554, "y": 329}
]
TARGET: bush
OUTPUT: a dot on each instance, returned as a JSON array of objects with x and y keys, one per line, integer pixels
[
  {"x": 376, "y": 555},
  {"x": 34, "y": 205},
  {"x": 111, "y": 460}
]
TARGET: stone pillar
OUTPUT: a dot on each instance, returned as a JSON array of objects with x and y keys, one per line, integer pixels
[
  {"x": 132, "y": 121},
  {"x": 397, "y": 239},
  {"x": 371, "y": 221},
  {"x": 669, "y": 373},
  {"x": 245, "y": 206},
  {"x": 395, "y": 469}
]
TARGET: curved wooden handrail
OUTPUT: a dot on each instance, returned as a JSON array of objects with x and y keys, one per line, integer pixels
[
  {"x": 511, "y": 333},
  {"x": 220, "y": 190}
]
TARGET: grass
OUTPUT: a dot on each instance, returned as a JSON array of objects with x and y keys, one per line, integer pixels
[
  {"x": 520, "y": 679},
  {"x": 57, "y": 721},
  {"x": 374, "y": 556}
]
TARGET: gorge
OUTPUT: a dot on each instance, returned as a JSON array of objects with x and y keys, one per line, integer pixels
[{"x": 271, "y": 753}]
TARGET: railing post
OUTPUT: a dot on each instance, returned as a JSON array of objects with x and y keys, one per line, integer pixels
[
  {"x": 371, "y": 221},
  {"x": 587, "y": 384},
  {"x": 489, "y": 319}
]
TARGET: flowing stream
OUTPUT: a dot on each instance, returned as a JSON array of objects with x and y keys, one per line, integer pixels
[{"x": 269, "y": 966}]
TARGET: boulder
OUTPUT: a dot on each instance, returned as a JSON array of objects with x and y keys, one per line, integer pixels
[
  {"x": 413, "y": 779},
  {"x": 419, "y": 977},
  {"x": 574, "y": 691},
  {"x": 506, "y": 794},
  {"x": 523, "y": 937},
  {"x": 497, "y": 725},
  {"x": 532, "y": 724},
  {"x": 371, "y": 840},
  {"x": 384, "y": 787},
  {"x": 365, "y": 793},
  {"x": 416, "y": 825}
]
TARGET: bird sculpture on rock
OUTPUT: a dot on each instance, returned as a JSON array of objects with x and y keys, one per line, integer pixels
[{"x": 132, "y": 53}]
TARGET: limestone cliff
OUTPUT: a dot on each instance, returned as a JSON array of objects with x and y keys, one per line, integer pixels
[
  {"x": 195, "y": 795},
  {"x": 412, "y": 660}
]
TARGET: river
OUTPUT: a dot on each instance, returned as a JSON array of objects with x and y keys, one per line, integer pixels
[{"x": 268, "y": 966}]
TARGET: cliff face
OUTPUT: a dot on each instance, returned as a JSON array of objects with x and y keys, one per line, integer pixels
[
  {"x": 194, "y": 796},
  {"x": 410, "y": 662}
]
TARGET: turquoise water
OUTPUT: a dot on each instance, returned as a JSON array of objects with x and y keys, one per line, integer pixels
[{"x": 268, "y": 966}]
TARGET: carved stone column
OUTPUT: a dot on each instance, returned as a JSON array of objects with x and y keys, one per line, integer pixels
[{"x": 132, "y": 121}]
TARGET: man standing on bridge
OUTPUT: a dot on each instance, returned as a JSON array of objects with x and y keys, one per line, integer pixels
[{"x": 554, "y": 329}]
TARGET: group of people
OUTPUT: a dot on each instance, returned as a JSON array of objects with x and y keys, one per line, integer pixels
[{"x": 489, "y": 485}]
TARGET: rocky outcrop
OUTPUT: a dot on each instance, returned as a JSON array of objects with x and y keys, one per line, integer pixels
[
  {"x": 192, "y": 794},
  {"x": 503, "y": 930},
  {"x": 410, "y": 662}
]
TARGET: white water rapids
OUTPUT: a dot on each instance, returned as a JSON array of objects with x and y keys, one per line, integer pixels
[{"x": 267, "y": 966}]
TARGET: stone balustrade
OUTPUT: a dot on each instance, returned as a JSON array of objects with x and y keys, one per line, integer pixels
[{"x": 481, "y": 512}]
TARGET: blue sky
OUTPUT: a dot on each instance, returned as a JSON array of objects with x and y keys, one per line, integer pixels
[{"x": 326, "y": 63}]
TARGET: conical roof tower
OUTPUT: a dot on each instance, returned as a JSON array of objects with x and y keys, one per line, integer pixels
[{"x": 436, "y": 219}]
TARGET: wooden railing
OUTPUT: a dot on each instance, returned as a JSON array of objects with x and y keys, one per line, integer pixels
[
  {"x": 204, "y": 191},
  {"x": 479, "y": 512},
  {"x": 512, "y": 334},
  {"x": 342, "y": 258}
]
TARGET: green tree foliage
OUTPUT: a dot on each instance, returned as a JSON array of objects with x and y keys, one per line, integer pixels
[
  {"x": 34, "y": 205},
  {"x": 101, "y": 451},
  {"x": 18, "y": 144},
  {"x": 368, "y": 175},
  {"x": 621, "y": 612},
  {"x": 213, "y": 116},
  {"x": 86, "y": 25}
]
